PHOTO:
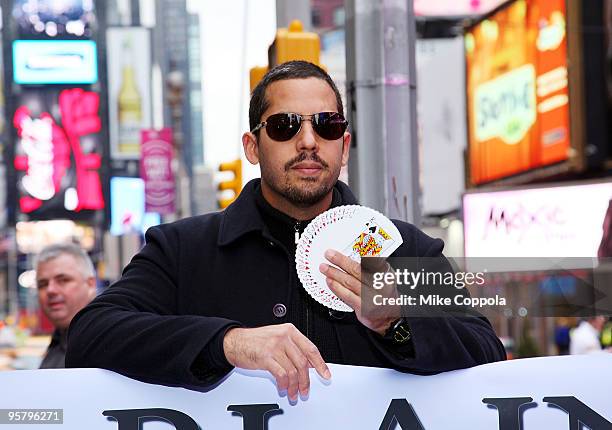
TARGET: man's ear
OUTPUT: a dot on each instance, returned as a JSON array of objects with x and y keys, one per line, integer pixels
[
  {"x": 251, "y": 148},
  {"x": 346, "y": 146},
  {"x": 91, "y": 286}
]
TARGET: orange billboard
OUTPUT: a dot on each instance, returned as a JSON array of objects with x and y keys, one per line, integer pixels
[{"x": 517, "y": 90}]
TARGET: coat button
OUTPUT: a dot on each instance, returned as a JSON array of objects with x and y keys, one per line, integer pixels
[{"x": 279, "y": 310}]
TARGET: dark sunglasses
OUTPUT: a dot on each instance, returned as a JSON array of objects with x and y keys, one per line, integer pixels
[{"x": 283, "y": 126}]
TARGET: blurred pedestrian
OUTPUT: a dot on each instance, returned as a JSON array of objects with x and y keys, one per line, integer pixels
[
  {"x": 606, "y": 335},
  {"x": 584, "y": 339},
  {"x": 66, "y": 281},
  {"x": 562, "y": 336}
]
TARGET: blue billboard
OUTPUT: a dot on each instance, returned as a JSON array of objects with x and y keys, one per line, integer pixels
[
  {"x": 128, "y": 207},
  {"x": 37, "y": 62}
]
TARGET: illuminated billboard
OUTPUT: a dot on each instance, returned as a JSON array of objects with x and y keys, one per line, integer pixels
[
  {"x": 55, "y": 62},
  {"x": 454, "y": 7},
  {"x": 54, "y": 18},
  {"x": 517, "y": 90},
  {"x": 555, "y": 221},
  {"x": 129, "y": 89},
  {"x": 128, "y": 207},
  {"x": 57, "y": 158}
]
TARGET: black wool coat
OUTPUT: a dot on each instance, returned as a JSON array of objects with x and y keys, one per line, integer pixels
[{"x": 196, "y": 277}]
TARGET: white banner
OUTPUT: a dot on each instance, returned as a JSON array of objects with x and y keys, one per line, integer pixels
[{"x": 489, "y": 397}]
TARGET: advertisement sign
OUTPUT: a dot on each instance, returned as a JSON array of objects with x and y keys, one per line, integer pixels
[
  {"x": 454, "y": 7},
  {"x": 55, "y": 62},
  {"x": 517, "y": 87},
  {"x": 526, "y": 394},
  {"x": 559, "y": 221},
  {"x": 53, "y": 18},
  {"x": 156, "y": 170},
  {"x": 58, "y": 154},
  {"x": 129, "y": 89},
  {"x": 441, "y": 107},
  {"x": 128, "y": 207}
]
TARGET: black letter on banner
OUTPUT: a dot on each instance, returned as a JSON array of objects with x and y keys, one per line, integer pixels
[
  {"x": 255, "y": 417},
  {"x": 509, "y": 410},
  {"x": 579, "y": 413},
  {"x": 131, "y": 419},
  {"x": 400, "y": 412}
]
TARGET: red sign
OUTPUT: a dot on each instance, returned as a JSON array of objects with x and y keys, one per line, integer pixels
[
  {"x": 60, "y": 173},
  {"x": 156, "y": 170}
]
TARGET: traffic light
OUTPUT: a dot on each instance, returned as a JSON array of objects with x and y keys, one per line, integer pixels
[
  {"x": 255, "y": 75},
  {"x": 233, "y": 184},
  {"x": 291, "y": 43},
  {"x": 294, "y": 43}
]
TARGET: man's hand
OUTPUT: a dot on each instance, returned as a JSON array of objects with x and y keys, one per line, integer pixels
[
  {"x": 280, "y": 349},
  {"x": 349, "y": 287}
]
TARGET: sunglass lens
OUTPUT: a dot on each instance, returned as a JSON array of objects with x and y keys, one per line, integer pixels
[
  {"x": 329, "y": 125},
  {"x": 282, "y": 126}
]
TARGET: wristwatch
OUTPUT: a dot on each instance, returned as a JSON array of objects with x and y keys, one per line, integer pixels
[{"x": 398, "y": 332}]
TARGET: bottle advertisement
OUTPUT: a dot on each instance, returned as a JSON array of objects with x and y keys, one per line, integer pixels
[{"x": 129, "y": 81}]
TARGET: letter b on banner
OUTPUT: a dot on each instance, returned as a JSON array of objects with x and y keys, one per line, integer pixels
[{"x": 131, "y": 419}]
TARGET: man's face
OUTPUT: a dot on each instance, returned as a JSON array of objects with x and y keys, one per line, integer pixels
[
  {"x": 63, "y": 289},
  {"x": 598, "y": 322},
  {"x": 304, "y": 169}
]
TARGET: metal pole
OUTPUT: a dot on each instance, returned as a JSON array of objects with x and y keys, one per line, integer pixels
[
  {"x": 176, "y": 92},
  {"x": 381, "y": 79},
  {"x": 288, "y": 10}
]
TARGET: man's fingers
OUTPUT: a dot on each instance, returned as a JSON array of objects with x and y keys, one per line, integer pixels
[
  {"x": 345, "y": 263},
  {"x": 301, "y": 364},
  {"x": 345, "y": 294},
  {"x": 313, "y": 355},
  {"x": 346, "y": 279},
  {"x": 280, "y": 374},
  {"x": 374, "y": 265},
  {"x": 292, "y": 375}
]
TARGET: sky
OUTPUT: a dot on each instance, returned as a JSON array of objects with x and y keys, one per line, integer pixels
[{"x": 235, "y": 37}]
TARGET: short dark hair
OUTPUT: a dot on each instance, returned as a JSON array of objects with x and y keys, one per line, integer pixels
[{"x": 288, "y": 70}]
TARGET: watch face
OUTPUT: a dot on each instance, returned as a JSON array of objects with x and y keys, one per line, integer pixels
[{"x": 401, "y": 333}]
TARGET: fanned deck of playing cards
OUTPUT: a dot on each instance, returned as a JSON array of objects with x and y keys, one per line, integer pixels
[{"x": 355, "y": 231}]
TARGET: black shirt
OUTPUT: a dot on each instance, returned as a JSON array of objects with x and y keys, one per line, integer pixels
[
  {"x": 314, "y": 320},
  {"x": 55, "y": 356}
]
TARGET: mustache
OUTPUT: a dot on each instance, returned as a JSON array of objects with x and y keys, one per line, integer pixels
[{"x": 303, "y": 156}]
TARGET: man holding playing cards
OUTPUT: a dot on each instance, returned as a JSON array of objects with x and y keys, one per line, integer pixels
[{"x": 213, "y": 292}]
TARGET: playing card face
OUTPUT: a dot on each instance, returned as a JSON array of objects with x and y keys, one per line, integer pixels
[
  {"x": 371, "y": 242},
  {"x": 356, "y": 231}
]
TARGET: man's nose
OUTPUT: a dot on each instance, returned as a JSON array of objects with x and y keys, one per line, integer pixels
[
  {"x": 307, "y": 137},
  {"x": 52, "y": 288}
]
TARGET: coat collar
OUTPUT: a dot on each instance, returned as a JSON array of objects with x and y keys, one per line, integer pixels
[{"x": 242, "y": 216}]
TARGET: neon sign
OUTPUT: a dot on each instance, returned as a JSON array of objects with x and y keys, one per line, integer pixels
[{"x": 52, "y": 157}]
